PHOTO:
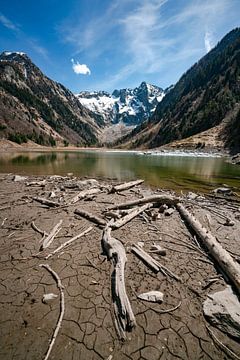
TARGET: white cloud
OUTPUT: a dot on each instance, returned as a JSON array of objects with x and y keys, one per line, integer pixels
[
  {"x": 208, "y": 41},
  {"x": 8, "y": 23},
  {"x": 80, "y": 68}
]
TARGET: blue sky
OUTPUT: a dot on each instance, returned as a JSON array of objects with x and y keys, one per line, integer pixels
[{"x": 104, "y": 45}]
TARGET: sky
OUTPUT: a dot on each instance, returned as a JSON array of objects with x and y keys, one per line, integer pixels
[{"x": 106, "y": 45}]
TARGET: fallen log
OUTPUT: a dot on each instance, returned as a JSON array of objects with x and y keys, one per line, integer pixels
[
  {"x": 135, "y": 212},
  {"x": 230, "y": 267},
  {"x": 84, "y": 193},
  {"x": 47, "y": 202},
  {"x": 115, "y": 252},
  {"x": 161, "y": 199},
  {"x": 125, "y": 186},
  {"x": 49, "y": 239},
  {"x": 68, "y": 242},
  {"x": 87, "y": 215},
  {"x": 155, "y": 265}
]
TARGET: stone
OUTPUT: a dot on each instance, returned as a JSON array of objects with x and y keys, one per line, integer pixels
[
  {"x": 222, "y": 309},
  {"x": 19, "y": 178}
]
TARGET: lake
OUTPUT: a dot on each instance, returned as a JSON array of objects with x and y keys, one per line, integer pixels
[{"x": 176, "y": 172}]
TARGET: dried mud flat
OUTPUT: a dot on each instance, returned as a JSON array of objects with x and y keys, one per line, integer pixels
[{"x": 174, "y": 329}]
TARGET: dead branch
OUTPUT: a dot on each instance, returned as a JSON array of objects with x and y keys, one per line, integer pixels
[
  {"x": 69, "y": 242},
  {"x": 47, "y": 202},
  {"x": 125, "y": 186},
  {"x": 220, "y": 255},
  {"x": 124, "y": 220},
  {"x": 87, "y": 215},
  {"x": 115, "y": 252},
  {"x": 49, "y": 239},
  {"x": 84, "y": 193},
  {"x": 42, "y": 232},
  {"x": 161, "y": 199},
  {"x": 221, "y": 345},
  {"x": 62, "y": 307},
  {"x": 155, "y": 265}
]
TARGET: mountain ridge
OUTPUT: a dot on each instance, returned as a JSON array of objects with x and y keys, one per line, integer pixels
[{"x": 205, "y": 96}]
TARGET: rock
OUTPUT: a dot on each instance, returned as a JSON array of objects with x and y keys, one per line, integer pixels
[
  {"x": 152, "y": 296},
  {"x": 48, "y": 297},
  {"x": 223, "y": 191},
  {"x": 222, "y": 309},
  {"x": 19, "y": 178},
  {"x": 162, "y": 208},
  {"x": 229, "y": 222},
  {"x": 169, "y": 212},
  {"x": 192, "y": 196}
]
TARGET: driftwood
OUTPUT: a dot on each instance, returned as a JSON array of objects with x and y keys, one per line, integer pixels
[
  {"x": 42, "y": 232},
  {"x": 161, "y": 199},
  {"x": 230, "y": 267},
  {"x": 47, "y": 202},
  {"x": 125, "y": 186},
  {"x": 84, "y": 193},
  {"x": 124, "y": 220},
  {"x": 68, "y": 242},
  {"x": 49, "y": 239},
  {"x": 115, "y": 252},
  {"x": 62, "y": 307},
  {"x": 87, "y": 215},
  {"x": 155, "y": 265}
]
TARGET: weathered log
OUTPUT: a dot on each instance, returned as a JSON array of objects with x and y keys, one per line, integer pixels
[
  {"x": 230, "y": 267},
  {"x": 49, "y": 239},
  {"x": 124, "y": 220},
  {"x": 47, "y": 202},
  {"x": 115, "y": 252},
  {"x": 125, "y": 186},
  {"x": 87, "y": 215},
  {"x": 85, "y": 193},
  {"x": 161, "y": 199},
  {"x": 155, "y": 265},
  {"x": 68, "y": 242}
]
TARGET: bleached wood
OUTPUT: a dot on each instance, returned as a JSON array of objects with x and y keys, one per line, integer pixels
[
  {"x": 87, "y": 215},
  {"x": 161, "y": 199},
  {"x": 114, "y": 250},
  {"x": 62, "y": 307},
  {"x": 124, "y": 220},
  {"x": 155, "y": 265},
  {"x": 69, "y": 242},
  {"x": 125, "y": 186},
  {"x": 49, "y": 239},
  {"x": 230, "y": 267},
  {"x": 84, "y": 193},
  {"x": 47, "y": 202}
]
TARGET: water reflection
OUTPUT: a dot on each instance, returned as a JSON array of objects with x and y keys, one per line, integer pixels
[{"x": 175, "y": 172}]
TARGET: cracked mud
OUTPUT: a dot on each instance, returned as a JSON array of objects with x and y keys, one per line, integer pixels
[{"x": 87, "y": 330}]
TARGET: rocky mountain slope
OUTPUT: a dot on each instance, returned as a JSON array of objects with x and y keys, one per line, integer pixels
[
  {"x": 128, "y": 106},
  {"x": 34, "y": 107},
  {"x": 206, "y": 96}
]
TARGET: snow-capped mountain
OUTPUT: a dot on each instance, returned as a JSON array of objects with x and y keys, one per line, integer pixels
[{"x": 127, "y": 106}]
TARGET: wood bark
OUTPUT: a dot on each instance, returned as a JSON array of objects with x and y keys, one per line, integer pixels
[
  {"x": 115, "y": 252},
  {"x": 230, "y": 267},
  {"x": 84, "y": 193},
  {"x": 87, "y": 215},
  {"x": 125, "y": 186},
  {"x": 47, "y": 202},
  {"x": 135, "y": 212},
  {"x": 161, "y": 199}
]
